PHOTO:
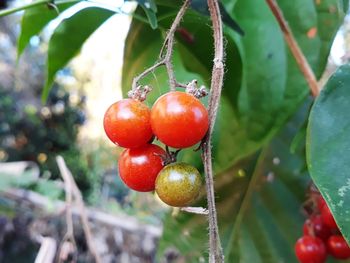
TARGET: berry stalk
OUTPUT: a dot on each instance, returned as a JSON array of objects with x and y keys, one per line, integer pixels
[{"x": 215, "y": 249}]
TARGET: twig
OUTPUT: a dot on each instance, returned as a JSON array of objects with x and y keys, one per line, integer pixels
[
  {"x": 294, "y": 48},
  {"x": 166, "y": 60},
  {"x": 215, "y": 253},
  {"x": 195, "y": 210},
  {"x": 80, "y": 203},
  {"x": 69, "y": 236},
  {"x": 47, "y": 250},
  {"x": 54, "y": 208}
]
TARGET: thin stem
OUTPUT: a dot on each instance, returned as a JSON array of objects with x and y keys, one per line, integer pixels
[
  {"x": 294, "y": 48},
  {"x": 170, "y": 44},
  {"x": 68, "y": 177},
  {"x": 215, "y": 252},
  {"x": 136, "y": 80},
  {"x": 31, "y": 5},
  {"x": 166, "y": 59}
]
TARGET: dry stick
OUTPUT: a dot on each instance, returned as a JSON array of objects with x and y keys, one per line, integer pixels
[
  {"x": 165, "y": 60},
  {"x": 80, "y": 204},
  {"x": 215, "y": 252},
  {"x": 294, "y": 48},
  {"x": 69, "y": 236}
]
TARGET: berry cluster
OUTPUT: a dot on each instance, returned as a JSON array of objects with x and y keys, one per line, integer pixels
[
  {"x": 178, "y": 120},
  {"x": 321, "y": 236}
]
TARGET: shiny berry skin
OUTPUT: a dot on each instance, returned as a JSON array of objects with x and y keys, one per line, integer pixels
[
  {"x": 320, "y": 203},
  {"x": 310, "y": 249},
  {"x": 139, "y": 167},
  {"x": 338, "y": 247},
  {"x": 328, "y": 218},
  {"x": 179, "y": 120},
  {"x": 316, "y": 226},
  {"x": 178, "y": 184},
  {"x": 127, "y": 123}
]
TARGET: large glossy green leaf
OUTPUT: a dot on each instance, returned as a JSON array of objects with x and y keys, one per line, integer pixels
[
  {"x": 68, "y": 38},
  {"x": 264, "y": 68},
  {"x": 258, "y": 204},
  {"x": 328, "y": 146},
  {"x": 251, "y": 112},
  {"x": 34, "y": 20},
  {"x": 256, "y": 226}
]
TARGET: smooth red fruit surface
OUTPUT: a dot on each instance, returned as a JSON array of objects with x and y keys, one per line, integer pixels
[
  {"x": 328, "y": 218},
  {"x": 316, "y": 226},
  {"x": 338, "y": 247},
  {"x": 321, "y": 203},
  {"x": 127, "y": 123},
  {"x": 310, "y": 249},
  {"x": 179, "y": 120},
  {"x": 139, "y": 167}
]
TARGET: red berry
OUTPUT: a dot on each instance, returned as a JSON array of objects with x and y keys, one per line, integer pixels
[
  {"x": 338, "y": 247},
  {"x": 328, "y": 218},
  {"x": 139, "y": 167},
  {"x": 320, "y": 202},
  {"x": 179, "y": 119},
  {"x": 127, "y": 123},
  {"x": 315, "y": 226},
  {"x": 310, "y": 249}
]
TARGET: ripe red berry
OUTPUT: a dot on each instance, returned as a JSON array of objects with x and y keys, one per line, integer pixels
[
  {"x": 320, "y": 203},
  {"x": 316, "y": 226},
  {"x": 178, "y": 184},
  {"x": 338, "y": 247},
  {"x": 179, "y": 119},
  {"x": 310, "y": 249},
  {"x": 139, "y": 167},
  {"x": 328, "y": 218},
  {"x": 127, "y": 123}
]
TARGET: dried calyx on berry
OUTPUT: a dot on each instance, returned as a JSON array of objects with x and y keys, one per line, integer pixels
[
  {"x": 192, "y": 88},
  {"x": 140, "y": 93}
]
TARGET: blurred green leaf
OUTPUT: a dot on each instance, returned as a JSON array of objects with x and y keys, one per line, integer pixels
[
  {"x": 69, "y": 37},
  {"x": 202, "y": 7},
  {"x": 328, "y": 146},
  {"x": 150, "y": 8},
  {"x": 345, "y": 6},
  {"x": 34, "y": 20},
  {"x": 49, "y": 189}
]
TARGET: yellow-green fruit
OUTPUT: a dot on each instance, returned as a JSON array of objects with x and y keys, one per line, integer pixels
[{"x": 178, "y": 184}]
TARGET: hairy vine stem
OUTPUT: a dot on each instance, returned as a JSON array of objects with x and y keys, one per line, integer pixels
[
  {"x": 215, "y": 250},
  {"x": 294, "y": 48},
  {"x": 166, "y": 59}
]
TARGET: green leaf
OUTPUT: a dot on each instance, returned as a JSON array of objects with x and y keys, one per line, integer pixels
[
  {"x": 260, "y": 93},
  {"x": 202, "y": 7},
  {"x": 150, "y": 13},
  {"x": 328, "y": 146},
  {"x": 264, "y": 68},
  {"x": 34, "y": 20},
  {"x": 150, "y": 9},
  {"x": 345, "y": 6},
  {"x": 257, "y": 204},
  {"x": 68, "y": 38}
]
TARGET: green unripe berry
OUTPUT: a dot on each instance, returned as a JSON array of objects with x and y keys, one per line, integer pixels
[{"x": 178, "y": 184}]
